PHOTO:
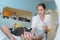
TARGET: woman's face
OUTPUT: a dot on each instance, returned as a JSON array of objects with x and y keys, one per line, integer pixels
[{"x": 41, "y": 10}]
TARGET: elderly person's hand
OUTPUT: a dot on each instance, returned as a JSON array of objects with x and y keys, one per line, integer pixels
[{"x": 28, "y": 36}]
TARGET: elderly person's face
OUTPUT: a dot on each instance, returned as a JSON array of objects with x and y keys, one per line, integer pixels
[{"x": 41, "y": 10}]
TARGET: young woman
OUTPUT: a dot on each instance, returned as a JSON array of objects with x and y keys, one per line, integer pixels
[{"x": 40, "y": 24}]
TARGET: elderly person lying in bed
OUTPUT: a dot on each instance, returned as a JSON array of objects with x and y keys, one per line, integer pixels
[
  {"x": 26, "y": 35},
  {"x": 7, "y": 32}
]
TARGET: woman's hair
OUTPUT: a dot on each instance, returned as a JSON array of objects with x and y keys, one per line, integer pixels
[{"x": 41, "y": 4}]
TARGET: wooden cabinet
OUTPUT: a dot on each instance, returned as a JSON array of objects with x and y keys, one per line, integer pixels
[{"x": 25, "y": 15}]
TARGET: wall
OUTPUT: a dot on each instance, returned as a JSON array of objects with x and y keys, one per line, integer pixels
[
  {"x": 51, "y": 5},
  {"x": 29, "y": 5},
  {"x": 20, "y": 4}
]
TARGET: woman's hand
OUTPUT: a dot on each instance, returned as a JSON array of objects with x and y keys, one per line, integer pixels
[{"x": 45, "y": 27}]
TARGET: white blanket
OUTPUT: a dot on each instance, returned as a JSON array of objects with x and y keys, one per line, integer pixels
[{"x": 4, "y": 37}]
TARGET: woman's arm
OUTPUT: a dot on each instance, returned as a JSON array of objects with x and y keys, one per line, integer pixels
[{"x": 7, "y": 32}]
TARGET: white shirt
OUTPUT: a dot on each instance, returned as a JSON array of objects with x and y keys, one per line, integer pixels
[
  {"x": 36, "y": 22},
  {"x": 37, "y": 25}
]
